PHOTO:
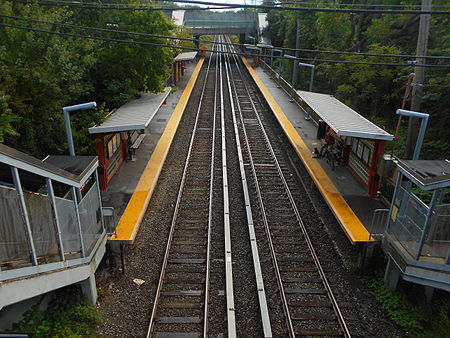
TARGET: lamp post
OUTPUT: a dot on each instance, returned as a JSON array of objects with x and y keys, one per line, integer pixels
[
  {"x": 311, "y": 79},
  {"x": 274, "y": 50},
  {"x": 66, "y": 110},
  {"x": 292, "y": 81},
  {"x": 423, "y": 127}
]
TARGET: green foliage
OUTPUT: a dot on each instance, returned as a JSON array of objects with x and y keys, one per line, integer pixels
[
  {"x": 68, "y": 315},
  {"x": 6, "y": 118},
  {"x": 416, "y": 320},
  {"x": 41, "y": 73},
  {"x": 372, "y": 90}
]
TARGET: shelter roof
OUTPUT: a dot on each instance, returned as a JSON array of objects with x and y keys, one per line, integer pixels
[
  {"x": 51, "y": 169},
  {"x": 133, "y": 115},
  {"x": 341, "y": 118},
  {"x": 252, "y": 47},
  {"x": 185, "y": 56},
  {"x": 428, "y": 175}
]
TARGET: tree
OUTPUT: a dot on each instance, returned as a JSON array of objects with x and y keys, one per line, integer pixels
[
  {"x": 6, "y": 118},
  {"x": 40, "y": 72}
]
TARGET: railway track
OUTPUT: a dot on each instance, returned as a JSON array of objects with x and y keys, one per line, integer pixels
[
  {"x": 276, "y": 232},
  {"x": 309, "y": 305},
  {"x": 181, "y": 302}
]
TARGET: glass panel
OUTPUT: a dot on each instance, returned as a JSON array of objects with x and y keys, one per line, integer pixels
[
  {"x": 69, "y": 227},
  {"x": 13, "y": 237},
  {"x": 90, "y": 216},
  {"x": 407, "y": 220},
  {"x": 437, "y": 242},
  {"x": 42, "y": 223}
]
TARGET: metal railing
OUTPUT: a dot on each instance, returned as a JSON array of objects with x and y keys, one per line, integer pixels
[
  {"x": 46, "y": 232},
  {"x": 407, "y": 227},
  {"x": 379, "y": 222}
]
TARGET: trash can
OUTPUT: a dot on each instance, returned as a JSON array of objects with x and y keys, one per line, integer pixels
[{"x": 322, "y": 127}]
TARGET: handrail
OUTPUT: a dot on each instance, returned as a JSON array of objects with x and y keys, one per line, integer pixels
[{"x": 15, "y": 158}]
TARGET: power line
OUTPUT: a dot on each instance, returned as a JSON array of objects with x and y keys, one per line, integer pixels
[
  {"x": 439, "y": 57},
  {"x": 133, "y": 7},
  {"x": 373, "y": 11},
  {"x": 118, "y": 7},
  {"x": 209, "y": 41},
  {"x": 76, "y": 35},
  {"x": 370, "y": 63},
  {"x": 356, "y": 5}
]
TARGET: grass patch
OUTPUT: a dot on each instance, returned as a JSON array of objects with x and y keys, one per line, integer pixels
[
  {"x": 410, "y": 312},
  {"x": 68, "y": 315}
]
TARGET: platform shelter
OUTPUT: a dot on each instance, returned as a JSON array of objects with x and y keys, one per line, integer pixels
[
  {"x": 122, "y": 132},
  {"x": 253, "y": 50},
  {"x": 363, "y": 142},
  {"x": 52, "y": 232},
  {"x": 178, "y": 64},
  {"x": 417, "y": 233}
]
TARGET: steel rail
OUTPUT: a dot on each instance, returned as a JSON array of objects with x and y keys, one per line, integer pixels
[
  {"x": 299, "y": 219},
  {"x": 231, "y": 319},
  {"x": 176, "y": 210},
  {"x": 211, "y": 186},
  {"x": 264, "y": 310},
  {"x": 263, "y": 213}
]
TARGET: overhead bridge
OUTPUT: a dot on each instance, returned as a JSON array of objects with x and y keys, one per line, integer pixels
[
  {"x": 215, "y": 27},
  {"x": 215, "y": 23}
]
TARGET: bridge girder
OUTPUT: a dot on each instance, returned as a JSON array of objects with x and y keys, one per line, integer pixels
[{"x": 222, "y": 30}]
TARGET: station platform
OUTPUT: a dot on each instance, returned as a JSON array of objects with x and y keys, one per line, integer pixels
[
  {"x": 130, "y": 189},
  {"x": 346, "y": 197}
]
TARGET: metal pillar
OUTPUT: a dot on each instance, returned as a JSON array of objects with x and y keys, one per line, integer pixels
[
  {"x": 51, "y": 194},
  {"x": 394, "y": 195},
  {"x": 392, "y": 274},
  {"x": 99, "y": 199},
  {"x": 66, "y": 110},
  {"x": 69, "y": 133},
  {"x": 427, "y": 222},
  {"x": 311, "y": 79},
  {"x": 75, "y": 204},
  {"x": 18, "y": 185},
  {"x": 423, "y": 127}
]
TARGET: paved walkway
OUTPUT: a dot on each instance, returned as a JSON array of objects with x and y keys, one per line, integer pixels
[{"x": 354, "y": 193}]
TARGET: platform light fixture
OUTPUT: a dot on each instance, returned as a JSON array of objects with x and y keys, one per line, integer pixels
[
  {"x": 311, "y": 79},
  {"x": 291, "y": 99},
  {"x": 423, "y": 126},
  {"x": 66, "y": 110}
]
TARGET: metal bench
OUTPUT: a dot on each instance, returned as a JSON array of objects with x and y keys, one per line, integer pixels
[{"x": 138, "y": 141}]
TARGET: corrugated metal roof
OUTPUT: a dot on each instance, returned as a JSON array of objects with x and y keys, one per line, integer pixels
[
  {"x": 341, "y": 118},
  {"x": 252, "y": 47},
  {"x": 185, "y": 56},
  {"x": 133, "y": 115}
]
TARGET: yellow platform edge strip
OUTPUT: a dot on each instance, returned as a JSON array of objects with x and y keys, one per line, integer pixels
[
  {"x": 131, "y": 219},
  {"x": 349, "y": 222}
]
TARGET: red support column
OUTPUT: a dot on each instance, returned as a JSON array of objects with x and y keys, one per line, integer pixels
[
  {"x": 374, "y": 182},
  {"x": 102, "y": 162},
  {"x": 174, "y": 73}
]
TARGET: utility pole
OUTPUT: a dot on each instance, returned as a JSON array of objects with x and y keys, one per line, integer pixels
[
  {"x": 419, "y": 79},
  {"x": 297, "y": 54}
]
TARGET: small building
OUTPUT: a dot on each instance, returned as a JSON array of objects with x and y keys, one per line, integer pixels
[
  {"x": 178, "y": 65},
  {"x": 417, "y": 233},
  {"x": 123, "y": 131},
  {"x": 51, "y": 228},
  {"x": 363, "y": 142},
  {"x": 254, "y": 51}
]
